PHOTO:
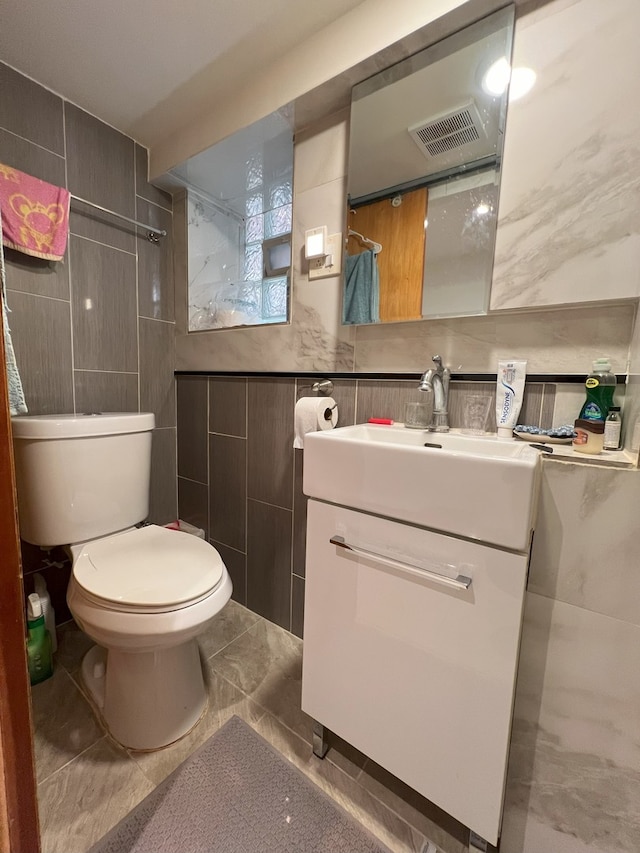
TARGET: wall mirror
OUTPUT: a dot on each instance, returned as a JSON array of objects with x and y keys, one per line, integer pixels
[
  {"x": 239, "y": 208},
  {"x": 426, "y": 141}
]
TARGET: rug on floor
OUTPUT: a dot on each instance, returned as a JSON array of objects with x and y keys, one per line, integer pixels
[{"x": 237, "y": 794}]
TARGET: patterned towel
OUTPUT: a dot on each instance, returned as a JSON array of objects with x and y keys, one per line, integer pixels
[
  {"x": 35, "y": 215},
  {"x": 17, "y": 405}
]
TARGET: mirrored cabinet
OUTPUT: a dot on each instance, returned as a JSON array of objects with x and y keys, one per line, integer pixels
[{"x": 426, "y": 140}]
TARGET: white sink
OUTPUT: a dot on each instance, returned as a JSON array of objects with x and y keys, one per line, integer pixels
[{"x": 479, "y": 487}]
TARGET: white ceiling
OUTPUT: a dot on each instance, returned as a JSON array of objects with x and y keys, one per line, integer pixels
[{"x": 122, "y": 61}]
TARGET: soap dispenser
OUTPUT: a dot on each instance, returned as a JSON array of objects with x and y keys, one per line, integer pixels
[{"x": 38, "y": 642}]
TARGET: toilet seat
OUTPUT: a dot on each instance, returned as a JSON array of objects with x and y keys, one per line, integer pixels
[{"x": 147, "y": 570}]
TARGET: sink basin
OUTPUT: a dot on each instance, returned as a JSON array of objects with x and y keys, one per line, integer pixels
[{"x": 479, "y": 487}]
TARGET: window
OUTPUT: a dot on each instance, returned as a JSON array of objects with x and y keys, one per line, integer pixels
[{"x": 240, "y": 195}]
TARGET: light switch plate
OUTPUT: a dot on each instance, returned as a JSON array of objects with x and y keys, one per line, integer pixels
[{"x": 331, "y": 264}]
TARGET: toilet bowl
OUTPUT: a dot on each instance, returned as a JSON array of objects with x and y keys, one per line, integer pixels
[{"x": 142, "y": 593}]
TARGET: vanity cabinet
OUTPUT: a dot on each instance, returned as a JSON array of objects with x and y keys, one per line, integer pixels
[
  {"x": 569, "y": 219},
  {"x": 408, "y": 665}
]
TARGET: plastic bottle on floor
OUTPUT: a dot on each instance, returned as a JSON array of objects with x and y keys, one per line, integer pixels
[
  {"x": 38, "y": 642},
  {"x": 47, "y": 609}
]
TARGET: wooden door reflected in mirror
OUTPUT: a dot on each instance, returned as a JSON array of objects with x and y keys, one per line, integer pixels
[{"x": 398, "y": 224}]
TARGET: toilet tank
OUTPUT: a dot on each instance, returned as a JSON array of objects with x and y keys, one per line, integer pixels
[{"x": 81, "y": 476}]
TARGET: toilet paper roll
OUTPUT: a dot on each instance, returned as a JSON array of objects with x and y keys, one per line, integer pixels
[{"x": 312, "y": 414}]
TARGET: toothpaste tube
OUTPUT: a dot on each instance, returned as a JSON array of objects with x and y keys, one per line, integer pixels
[{"x": 509, "y": 394}]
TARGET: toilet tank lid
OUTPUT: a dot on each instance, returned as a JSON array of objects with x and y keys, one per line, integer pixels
[{"x": 72, "y": 426}]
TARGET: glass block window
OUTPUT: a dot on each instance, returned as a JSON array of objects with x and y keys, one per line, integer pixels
[
  {"x": 269, "y": 216},
  {"x": 255, "y": 229},
  {"x": 274, "y": 299},
  {"x": 253, "y": 262},
  {"x": 254, "y": 204},
  {"x": 280, "y": 194},
  {"x": 277, "y": 221},
  {"x": 240, "y": 248},
  {"x": 254, "y": 172}
]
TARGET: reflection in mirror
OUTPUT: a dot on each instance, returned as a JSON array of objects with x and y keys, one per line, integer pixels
[
  {"x": 424, "y": 164},
  {"x": 239, "y": 198}
]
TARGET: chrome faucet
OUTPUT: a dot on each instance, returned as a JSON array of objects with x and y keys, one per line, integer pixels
[{"x": 436, "y": 379}]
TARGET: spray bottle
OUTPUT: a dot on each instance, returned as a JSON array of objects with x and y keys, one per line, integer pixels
[{"x": 47, "y": 609}]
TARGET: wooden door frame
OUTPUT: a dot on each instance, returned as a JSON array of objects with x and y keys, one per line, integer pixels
[{"x": 19, "y": 827}]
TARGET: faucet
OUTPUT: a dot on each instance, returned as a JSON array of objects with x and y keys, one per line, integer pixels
[{"x": 436, "y": 379}]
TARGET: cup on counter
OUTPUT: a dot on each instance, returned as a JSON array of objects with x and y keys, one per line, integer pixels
[
  {"x": 475, "y": 414},
  {"x": 416, "y": 415}
]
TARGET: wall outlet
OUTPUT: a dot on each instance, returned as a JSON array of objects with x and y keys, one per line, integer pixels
[{"x": 331, "y": 264}]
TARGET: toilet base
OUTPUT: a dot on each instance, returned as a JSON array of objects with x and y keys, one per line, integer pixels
[{"x": 147, "y": 699}]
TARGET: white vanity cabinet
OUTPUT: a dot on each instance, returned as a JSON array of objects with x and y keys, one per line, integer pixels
[{"x": 408, "y": 665}]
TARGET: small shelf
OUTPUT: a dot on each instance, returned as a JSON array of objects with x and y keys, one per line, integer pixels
[{"x": 623, "y": 459}]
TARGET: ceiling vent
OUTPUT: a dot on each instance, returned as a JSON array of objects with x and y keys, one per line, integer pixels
[{"x": 448, "y": 131}]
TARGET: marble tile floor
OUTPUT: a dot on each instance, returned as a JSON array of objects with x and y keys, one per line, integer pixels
[{"x": 253, "y": 668}]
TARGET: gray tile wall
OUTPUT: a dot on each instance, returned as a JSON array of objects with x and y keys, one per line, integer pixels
[
  {"x": 240, "y": 480},
  {"x": 96, "y": 331}
]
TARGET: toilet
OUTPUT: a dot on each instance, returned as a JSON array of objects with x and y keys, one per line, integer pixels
[{"x": 143, "y": 594}]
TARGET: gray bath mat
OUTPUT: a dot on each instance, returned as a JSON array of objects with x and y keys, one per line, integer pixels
[{"x": 237, "y": 794}]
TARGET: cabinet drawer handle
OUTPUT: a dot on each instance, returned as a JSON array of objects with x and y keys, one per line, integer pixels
[{"x": 459, "y": 582}]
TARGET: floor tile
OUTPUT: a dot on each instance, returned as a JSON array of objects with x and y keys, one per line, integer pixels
[
  {"x": 342, "y": 788},
  {"x": 73, "y": 644},
  {"x": 232, "y": 621},
  {"x": 446, "y": 832},
  {"x": 81, "y": 802},
  {"x": 252, "y": 668},
  {"x": 63, "y": 722},
  {"x": 266, "y": 664}
]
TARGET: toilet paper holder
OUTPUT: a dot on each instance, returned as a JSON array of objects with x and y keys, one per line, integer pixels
[
  {"x": 328, "y": 410},
  {"x": 324, "y": 388}
]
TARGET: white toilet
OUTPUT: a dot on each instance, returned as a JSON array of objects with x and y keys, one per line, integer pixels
[{"x": 143, "y": 594}]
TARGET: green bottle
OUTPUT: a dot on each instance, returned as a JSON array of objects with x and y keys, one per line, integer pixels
[
  {"x": 38, "y": 642},
  {"x": 600, "y": 385}
]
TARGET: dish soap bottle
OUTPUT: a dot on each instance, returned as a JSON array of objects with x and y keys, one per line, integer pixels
[
  {"x": 38, "y": 642},
  {"x": 600, "y": 385}
]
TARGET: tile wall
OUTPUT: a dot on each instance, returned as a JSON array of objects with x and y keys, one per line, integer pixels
[
  {"x": 96, "y": 331},
  {"x": 573, "y": 784},
  {"x": 240, "y": 480}
]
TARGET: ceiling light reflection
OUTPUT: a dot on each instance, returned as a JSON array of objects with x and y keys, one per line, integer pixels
[
  {"x": 499, "y": 75},
  {"x": 496, "y": 80}
]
